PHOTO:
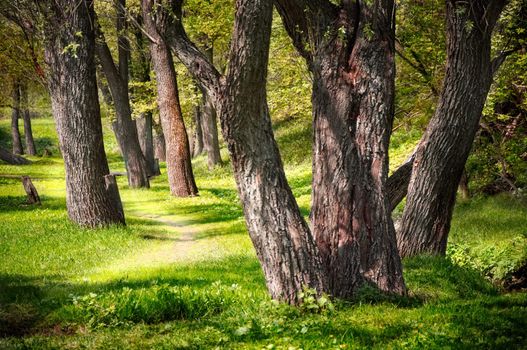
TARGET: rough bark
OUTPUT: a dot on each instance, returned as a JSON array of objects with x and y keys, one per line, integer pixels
[
  {"x": 179, "y": 166},
  {"x": 350, "y": 51},
  {"x": 124, "y": 127},
  {"x": 281, "y": 237},
  {"x": 441, "y": 156},
  {"x": 11, "y": 158},
  {"x": 397, "y": 184},
  {"x": 73, "y": 90},
  {"x": 15, "y": 115},
  {"x": 31, "y": 191},
  {"x": 28, "y": 132}
]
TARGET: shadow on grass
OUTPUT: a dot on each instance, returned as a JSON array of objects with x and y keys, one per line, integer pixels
[{"x": 19, "y": 203}]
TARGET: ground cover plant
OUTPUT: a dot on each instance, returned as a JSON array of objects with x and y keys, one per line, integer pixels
[{"x": 183, "y": 272}]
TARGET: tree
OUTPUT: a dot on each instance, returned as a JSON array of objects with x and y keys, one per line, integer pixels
[
  {"x": 349, "y": 49},
  {"x": 15, "y": 115},
  {"x": 117, "y": 76},
  {"x": 443, "y": 151},
  {"x": 28, "y": 132},
  {"x": 283, "y": 242},
  {"x": 92, "y": 198},
  {"x": 179, "y": 166}
]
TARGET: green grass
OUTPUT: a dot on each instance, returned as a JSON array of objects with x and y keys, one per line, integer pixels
[{"x": 139, "y": 287}]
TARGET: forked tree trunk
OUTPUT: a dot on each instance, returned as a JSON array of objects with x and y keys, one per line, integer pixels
[
  {"x": 441, "y": 156},
  {"x": 281, "y": 237},
  {"x": 124, "y": 127},
  {"x": 15, "y": 115},
  {"x": 179, "y": 166},
  {"x": 75, "y": 103},
  {"x": 352, "y": 61},
  {"x": 28, "y": 132}
]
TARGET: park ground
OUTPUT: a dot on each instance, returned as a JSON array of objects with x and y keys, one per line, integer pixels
[{"x": 183, "y": 274}]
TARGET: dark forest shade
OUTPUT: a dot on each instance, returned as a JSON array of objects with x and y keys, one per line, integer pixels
[{"x": 73, "y": 89}]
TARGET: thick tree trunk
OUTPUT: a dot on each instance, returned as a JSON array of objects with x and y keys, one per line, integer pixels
[
  {"x": 124, "y": 127},
  {"x": 11, "y": 158},
  {"x": 209, "y": 124},
  {"x": 353, "y": 95},
  {"x": 179, "y": 166},
  {"x": 28, "y": 132},
  {"x": 441, "y": 156},
  {"x": 283, "y": 242},
  {"x": 75, "y": 103},
  {"x": 15, "y": 115}
]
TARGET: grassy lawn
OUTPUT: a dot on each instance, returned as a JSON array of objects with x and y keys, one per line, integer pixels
[{"x": 183, "y": 273}]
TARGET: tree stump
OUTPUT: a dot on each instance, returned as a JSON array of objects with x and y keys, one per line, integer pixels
[{"x": 32, "y": 194}]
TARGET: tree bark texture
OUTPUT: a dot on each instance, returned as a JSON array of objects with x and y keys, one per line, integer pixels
[
  {"x": 11, "y": 158},
  {"x": 73, "y": 90},
  {"x": 281, "y": 237},
  {"x": 160, "y": 146},
  {"x": 179, "y": 166},
  {"x": 397, "y": 184},
  {"x": 28, "y": 132},
  {"x": 15, "y": 115},
  {"x": 350, "y": 51},
  {"x": 124, "y": 127},
  {"x": 441, "y": 156}
]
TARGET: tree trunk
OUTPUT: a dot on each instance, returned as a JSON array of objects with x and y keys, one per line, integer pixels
[
  {"x": 209, "y": 124},
  {"x": 124, "y": 127},
  {"x": 146, "y": 140},
  {"x": 11, "y": 158},
  {"x": 160, "y": 146},
  {"x": 179, "y": 166},
  {"x": 281, "y": 237},
  {"x": 15, "y": 132},
  {"x": 197, "y": 138},
  {"x": 31, "y": 191},
  {"x": 352, "y": 62},
  {"x": 463, "y": 185},
  {"x": 397, "y": 185},
  {"x": 75, "y": 104},
  {"x": 28, "y": 132},
  {"x": 441, "y": 156}
]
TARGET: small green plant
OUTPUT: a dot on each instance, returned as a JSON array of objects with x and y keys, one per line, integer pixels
[{"x": 310, "y": 302}]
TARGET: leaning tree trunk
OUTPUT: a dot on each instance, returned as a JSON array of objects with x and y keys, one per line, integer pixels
[
  {"x": 209, "y": 124},
  {"x": 281, "y": 237},
  {"x": 441, "y": 156},
  {"x": 73, "y": 90},
  {"x": 28, "y": 132},
  {"x": 179, "y": 166},
  {"x": 352, "y": 62},
  {"x": 11, "y": 158},
  {"x": 124, "y": 127},
  {"x": 15, "y": 115}
]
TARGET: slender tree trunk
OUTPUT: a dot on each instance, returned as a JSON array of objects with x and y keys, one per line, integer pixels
[
  {"x": 463, "y": 185},
  {"x": 75, "y": 103},
  {"x": 28, "y": 132},
  {"x": 160, "y": 146},
  {"x": 283, "y": 242},
  {"x": 352, "y": 61},
  {"x": 441, "y": 156},
  {"x": 124, "y": 127},
  {"x": 209, "y": 124},
  {"x": 197, "y": 138},
  {"x": 179, "y": 166},
  {"x": 15, "y": 114}
]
